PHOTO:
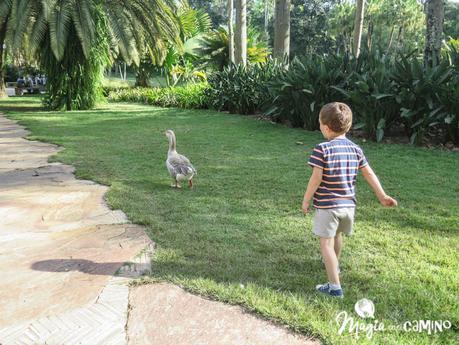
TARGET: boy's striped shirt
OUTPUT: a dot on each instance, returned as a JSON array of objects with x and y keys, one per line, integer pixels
[{"x": 340, "y": 159}]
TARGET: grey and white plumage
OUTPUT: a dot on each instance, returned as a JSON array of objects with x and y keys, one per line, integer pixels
[{"x": 179, "y": 166}]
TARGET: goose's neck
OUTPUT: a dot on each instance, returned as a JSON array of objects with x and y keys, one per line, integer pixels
[{"x": 172, "y": 144}]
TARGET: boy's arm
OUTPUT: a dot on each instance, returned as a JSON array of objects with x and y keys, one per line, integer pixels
[
  {"x": 373, "y": 181},
  {"x": 313, "y": 184}
]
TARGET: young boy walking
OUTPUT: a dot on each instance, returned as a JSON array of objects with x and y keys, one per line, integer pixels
[{"x": 335, "y": 164}]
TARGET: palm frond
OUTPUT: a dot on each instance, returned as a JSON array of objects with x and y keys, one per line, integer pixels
[
  {"x": 84, "y": 24},
  {"x": 5, "y": 10},
  {"x": 38, "y": 33},
  {"x": 20, "y": 12},
  {"x": 122, "y": 33},
  {"x": 194, "y": 22},
  {"x": 59, "y": 23}
]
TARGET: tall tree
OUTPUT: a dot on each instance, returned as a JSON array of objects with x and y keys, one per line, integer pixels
[
  {"x": 5, "y": 9},
  {"x": 266, "y": 18},
  {"x": 282, "y": 29},
  {"x": 230, "y": 31},
  {"x": 358, "y": 26},
  {"x": 3, "y": 93},
  {"x": 435, "y": 15},
  {"x": 241, "y": 32}
]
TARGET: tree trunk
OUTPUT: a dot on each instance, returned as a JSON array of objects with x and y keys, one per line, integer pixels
[
  {"x": 435, "y": 15},
  {"x": 266, "y": 18},
  {"x": 400, "y": 38},
  {"x": 241, "y": 32},
  {"x": 390, "y": 38},
  {"x": 230, "y": 31},
  {"x": 359, "y": 13},
  {"x": 282, "y": 29},
  {"x": 370, "y": 35},
  {"x": 142, "y": 77},
  {"x": 3, "y": 93}
]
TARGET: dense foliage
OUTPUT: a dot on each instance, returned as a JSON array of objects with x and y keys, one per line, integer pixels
[
  {"x": 452, "y": 19},
  {"x": 370, "y": 90},
  {"x": 383, "y": 91},
  {"x": 298, "y": 93},
  {"x": 74, "y": 81},
  {"x": 241, "y": 89},
  {"x": 188, "y": 96}
]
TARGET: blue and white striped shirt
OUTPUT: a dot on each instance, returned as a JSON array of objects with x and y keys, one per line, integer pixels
[{"x": 340, "y": 159}]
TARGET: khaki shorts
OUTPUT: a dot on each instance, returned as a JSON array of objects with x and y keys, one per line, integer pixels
[{"x": 328, "y": 222}]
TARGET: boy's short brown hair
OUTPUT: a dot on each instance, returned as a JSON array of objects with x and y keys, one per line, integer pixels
[{"x": 337, "y": 116}]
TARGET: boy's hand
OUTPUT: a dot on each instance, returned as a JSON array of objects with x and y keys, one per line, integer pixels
[
  {"x": 387, "y": 201},
  {"x": 306, "y": 208}
]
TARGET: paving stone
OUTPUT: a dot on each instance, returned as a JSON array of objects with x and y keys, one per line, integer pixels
[
  {"x": 60, "y": 244},
  {"x": 164, "y": 314}
]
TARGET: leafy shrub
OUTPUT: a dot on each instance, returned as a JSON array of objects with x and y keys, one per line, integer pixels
[
  {"x": 188, "y": 96},
  {"x": 370, "y": 93},
  {"x": 419, "y": 92},
  {"x": 380, "y": 91},
  {"x": 298, "y": 93},
  {"x": 107, "y": 89},
  {"x": 241, "y": 89},
  {"x": 449, "y": 98}
]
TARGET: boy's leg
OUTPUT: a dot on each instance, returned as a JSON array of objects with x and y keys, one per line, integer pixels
[
  {"x": 338, "y": 244},
  {"x": 327, "y": 248}
]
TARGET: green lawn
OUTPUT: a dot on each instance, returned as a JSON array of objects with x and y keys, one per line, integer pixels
[{"x": 243, "y": 224}]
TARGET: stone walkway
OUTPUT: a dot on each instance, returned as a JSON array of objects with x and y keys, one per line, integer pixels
[{"x": 67, "y": 260}]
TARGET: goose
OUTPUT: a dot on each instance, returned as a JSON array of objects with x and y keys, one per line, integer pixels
[{"x": 179, "y": 167}]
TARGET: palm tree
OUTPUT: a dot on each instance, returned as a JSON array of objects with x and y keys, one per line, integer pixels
[
  {"x": 435, "y": 15},
  {"x": 2, "y": 77},
  {"x": 230, "y": 30},
  {"x": 177, "y": 62},
  {"x": 282, "y": 29},
  {"x": 214, "y": 48},
  {"x": 359, "y": 12},
  {"x": 75, "y": 39},
  {"x": 241, "y": 32},
  {"x": 5, "y": 9}
]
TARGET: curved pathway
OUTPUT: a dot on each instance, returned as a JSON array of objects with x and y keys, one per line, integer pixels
[
  {"x": 60, "y": 246},
  {"x": 66, "y": 260}
]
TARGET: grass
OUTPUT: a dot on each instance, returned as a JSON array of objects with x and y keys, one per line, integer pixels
[{"x": 240, "y": 236}]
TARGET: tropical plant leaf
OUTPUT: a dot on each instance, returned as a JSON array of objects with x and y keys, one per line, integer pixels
[
  {"x": 84, "y": 24},
  {"x": 59, "y": 23}
]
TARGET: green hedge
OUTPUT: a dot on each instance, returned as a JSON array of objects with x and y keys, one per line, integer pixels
[
  {"x": 384, "y": 92},
  {"x": 106, "y": 90},
  {"x": 242, "y": 89},
  {"x": 188, "y": 96}
]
